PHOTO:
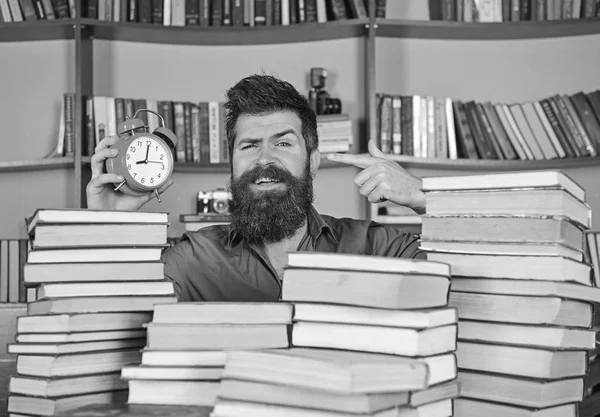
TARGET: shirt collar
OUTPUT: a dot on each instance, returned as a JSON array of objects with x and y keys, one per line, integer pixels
[{"x": 316, "y": 226}]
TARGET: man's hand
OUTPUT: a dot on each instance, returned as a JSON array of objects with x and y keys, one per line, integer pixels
[
  {"x": 100, "y": 190},
  {"x": 383, "y": 179}
]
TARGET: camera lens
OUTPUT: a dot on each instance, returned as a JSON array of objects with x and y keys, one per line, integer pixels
[{"x": 221, "y": 206}]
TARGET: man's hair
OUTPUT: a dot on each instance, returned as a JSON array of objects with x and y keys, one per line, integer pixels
[{"x": 262, "y": 94}]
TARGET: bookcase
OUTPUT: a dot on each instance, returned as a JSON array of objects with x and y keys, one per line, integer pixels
[{"x": 492, "y": 61}]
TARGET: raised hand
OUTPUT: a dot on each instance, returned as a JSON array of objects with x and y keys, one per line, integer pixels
[
  {"x": 100, "y": 190},
  {"x": 383, "y": 179}
]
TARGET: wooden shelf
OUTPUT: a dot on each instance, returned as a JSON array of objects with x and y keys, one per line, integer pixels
[
  {"x": 37, "y": 164},
  {"x": 224, "y": 35},
  {"x": 493, "y": 165},
  {"x": 41, "y": 30},
  {"x": 223, "y": 168},
  {"x": 436, "y": 29}
]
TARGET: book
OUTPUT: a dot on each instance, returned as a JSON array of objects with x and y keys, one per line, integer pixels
[
  {"x": 508, "y": 228},
  {"x": 82, "y": 322},
  {"x": 181, "y": 393},
  {"x": 209, "y": 358},
  {"x": 174, "y": 336},
  {"x": 223, "y": 313},
  {"x": 524, "y": 202},
  {"x": 541, "y": 336},
  {"x": 368, "y": 289},
  {"x": 60, "y": 387},
  {"x": 104, "y": 289},
  {"x": 94, "y": 256},
  {"x": 412, "y": 319},
  {"x": 77, "y": 347},
  {"x": 519, "y": 391},
  {"x": 327, "y": 370},
  {"x": 94, "y": 273},
  {"x": 521, "y": 361},
  {"x": 291, "y": 396},
  {"x": 517, "y": 180},
  {"x": 175, "y": 373},
  {"x": 351, "y": 262},
  {"x": 465, "y": 407},
  {"x": 533, "y": 309},
  {"x": 98, "y": 235},
  {"x": 532, "y": 288},
  {"x": 56, "y": 406},
  {"x": 377, "y": 339},
  {"x": 547, "y": 268},
  {"x": 97, "y": 304},
  {"x": 86, "y": 216},
  {"x": 80, "y": 336},
  {"x": 76, "y": 364}
]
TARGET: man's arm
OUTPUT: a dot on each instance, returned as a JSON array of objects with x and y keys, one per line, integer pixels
[{"x": 383, "y": 179}]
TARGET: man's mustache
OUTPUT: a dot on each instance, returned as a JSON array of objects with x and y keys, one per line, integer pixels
[{"x": 270, "y": 171}]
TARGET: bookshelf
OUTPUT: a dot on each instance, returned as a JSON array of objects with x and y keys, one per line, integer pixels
[{"x": 396, "y": 55}]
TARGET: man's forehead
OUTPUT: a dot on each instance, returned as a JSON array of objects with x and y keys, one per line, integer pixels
[{"x": 270, "y": 122}]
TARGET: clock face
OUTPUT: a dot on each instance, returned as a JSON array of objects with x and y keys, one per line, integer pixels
[{"x": 148, "y": 161}]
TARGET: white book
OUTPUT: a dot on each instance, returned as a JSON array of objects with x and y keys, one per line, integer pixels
[{"x": 214, "y": 138}]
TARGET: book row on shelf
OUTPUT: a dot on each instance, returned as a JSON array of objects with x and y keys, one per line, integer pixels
[
  {"x": 497, "y": 321},
  {"x": 555, "y": 127},
  {"x": 199, "y": 126},
  {"x": 201, "y": 13},
  {"x": 512, "y": 10}
]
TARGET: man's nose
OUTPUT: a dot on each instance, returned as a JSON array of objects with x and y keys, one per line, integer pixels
[{"x": 266, "y": 155}]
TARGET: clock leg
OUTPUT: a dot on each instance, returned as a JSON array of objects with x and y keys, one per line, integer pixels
[
  {"x": 157, "y": 196},
  {"x": 120, "y": 185}
]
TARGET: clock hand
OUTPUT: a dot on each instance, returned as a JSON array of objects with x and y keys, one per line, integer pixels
[
  {"x": 147, "y": 152},
  {"x": 154, "y": 162}
]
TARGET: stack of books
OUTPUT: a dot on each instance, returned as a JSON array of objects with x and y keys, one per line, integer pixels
[
  {"x": 93, "y": 278},
  {"x": 370, "y": 335},
  {"x": 185, "y": 353},
  {"x": 524, "y": 293}
]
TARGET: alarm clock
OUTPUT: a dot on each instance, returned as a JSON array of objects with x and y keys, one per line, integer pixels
[{"x": 145, "y": 160}]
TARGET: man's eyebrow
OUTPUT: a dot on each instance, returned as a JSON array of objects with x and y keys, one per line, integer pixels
[
  {"x": 251, "y": 141},
  {"x": 283, "y": 133}
]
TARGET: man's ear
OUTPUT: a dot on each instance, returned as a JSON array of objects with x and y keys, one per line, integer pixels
[{"x": 315, "y": 162}]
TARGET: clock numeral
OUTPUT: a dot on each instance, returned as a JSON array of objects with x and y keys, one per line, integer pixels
[
  {"x": 143, "y": 180},
  {"x": 134, "y": 174},
  {"x": 132, "y": 149},
  {"x": 139, "y": 143},
  {"x": 151, "y": 180},
  {"x": 162, "y": 156},
  {"x": 159, "y": 175},
  {"x": 148, "y": 143},
  {"x": 128, "y": 157},
  {"x": 162, "y": 167},
  {"x": 156, "y": 148},
  {"x": 128, "y": 166}
]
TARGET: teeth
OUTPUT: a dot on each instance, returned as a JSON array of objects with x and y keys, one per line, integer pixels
[{"x": 260, "y": 180}]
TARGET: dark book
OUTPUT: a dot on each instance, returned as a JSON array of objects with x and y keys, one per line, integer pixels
[
  {"x": 187, "y": 117},
  {"x": 165, "y": 109},
  {"x": 587, "y": 117},
  {"x": 192, "y": 13},
  {"x": 276, "y": 12},
  {"x": 237, "y": 13},
  {"x": 357, "y": 8},
  {"x": 488, "y": 132},
  {"x": 49, "y": 10},
  {"x": 293, "y": 11},
  {"x": 406, "y": 125},
  {"x": 301, "y": 11},
  {"x": 204, "y": 133},
  {"x": 564, "y": 115},
  {"x": 435, "y": 10},
  {"x": 269, "y": 9},
  {"x": 483, "y": 147},
  {"x": 144, "y": 11},
  {"x": 561, "y": 135},
  {"x": 179, "y": 120},
  {"x": 158, "y": 12},
  {"x": 28, "y": 10},
  {"x": 499, "y": 132},
  {"x": 61, "y": 9},
  {"x": 526, "y": 9},
  {"x": 39, "y": 9},
  {"x": 337, "y": 10},
  {"x": 464, "y": 135},
  {"x": 594, "y": 99},
  {"x": 139, "y": 104},
  {"x": 448, "y": 10},
  {"x": 216, "y": 13}
]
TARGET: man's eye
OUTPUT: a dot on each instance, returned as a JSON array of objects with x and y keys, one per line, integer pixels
[
  {"x": 283, "y": 144},
  {"x": 248, "y": 146}
]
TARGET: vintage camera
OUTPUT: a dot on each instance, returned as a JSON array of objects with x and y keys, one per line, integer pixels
[
  {"x": 320, "y": 100},
  {"x": 213, "y": 202}
]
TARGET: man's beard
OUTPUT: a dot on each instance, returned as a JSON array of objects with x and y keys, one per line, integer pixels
[{"x": 272, "y": 215}]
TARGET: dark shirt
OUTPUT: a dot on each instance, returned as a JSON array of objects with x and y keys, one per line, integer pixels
[{"x": 216, "y": 264}]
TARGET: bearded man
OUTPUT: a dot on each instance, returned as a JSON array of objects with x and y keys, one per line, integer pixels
[{"x": 274, "y": 156}]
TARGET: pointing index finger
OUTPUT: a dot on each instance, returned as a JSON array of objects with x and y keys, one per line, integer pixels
[{"x": 360, "y": 161}]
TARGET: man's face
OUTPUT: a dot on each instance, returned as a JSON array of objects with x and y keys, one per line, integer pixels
[{"x": 272, "y": 177}]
